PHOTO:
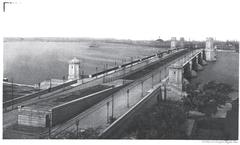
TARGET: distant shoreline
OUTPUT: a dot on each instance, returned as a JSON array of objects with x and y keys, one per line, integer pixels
[
  {"x": 69, "y": 39},
  {"x": 221, "y": 50}
]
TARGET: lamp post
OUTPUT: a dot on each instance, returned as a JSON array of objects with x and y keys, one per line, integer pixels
[
  {"x": 82, "y": 76},
  {"x": 165, "y": 92},
  {"x": 12, "y": 92},
  {"x": 104, "y": 73},
  {"x": 152, "y": 80},
  {"x": 131, "y": 62},
  {"x": 128, "y": 98},
  {"x": 107, "y": 112},
  {"x": 112, "y": 106},
  {"x": 48, "y": 120},
  {"x": 77, "y": 124},
  {"x": 160, "y": 76},
  {"x": 50, "y": 84}
]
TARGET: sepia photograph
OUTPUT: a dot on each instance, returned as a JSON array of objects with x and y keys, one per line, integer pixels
[{"x": 160, "y": 70}]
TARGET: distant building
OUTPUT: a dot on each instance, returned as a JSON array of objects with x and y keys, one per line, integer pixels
[{"x": 74, "y": 69}]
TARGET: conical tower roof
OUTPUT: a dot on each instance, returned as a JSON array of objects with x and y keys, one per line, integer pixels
[{"x": 75, "y": 60}]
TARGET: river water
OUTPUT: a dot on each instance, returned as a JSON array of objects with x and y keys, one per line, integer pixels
[
  {"x": 225, "y": 70},
  {"x": 31, "y": 62}
]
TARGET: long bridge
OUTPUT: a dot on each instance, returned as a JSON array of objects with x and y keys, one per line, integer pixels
[{"x": 108, "y": 100}]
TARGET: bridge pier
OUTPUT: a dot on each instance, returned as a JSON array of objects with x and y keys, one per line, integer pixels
[
  {"x": 187, "y": 74},
  {"x": 200, "y": 58},
  {"x": 194, "y": 64},
  {"x": 199, "y": 62},
  {"x": 181, "y": 73},
  {"x": 193, "y": 71},
  {"x": 203, "y": 54},
  {"x": 176, "y": 77},
  {"x": 210, "y": 51}
]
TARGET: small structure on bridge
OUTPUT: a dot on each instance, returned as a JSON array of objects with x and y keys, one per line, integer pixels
[
  {"x": 74, "y": 69},
  {"x": 173, "y": 43},
  {"x": 210, "y": 50}
]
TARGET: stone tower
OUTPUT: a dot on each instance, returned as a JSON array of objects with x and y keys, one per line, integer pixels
[
  {"x": 209, "y": 50},
  {"x": 173, "y": 42},
  {"x": 74, "y": 69}
]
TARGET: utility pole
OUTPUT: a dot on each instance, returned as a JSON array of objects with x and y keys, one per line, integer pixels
[
  {"x": 131, "y": 62},
  {"x": 112, "y": 106},
  {"x": 48, "y": 120},
  {"x": 152, "y": 80},
  {"x": 160, "y": 76},
  {"x": 124, "y": 67},
  {"x": 106, "y": 73},
  {"x": 82, "y": 76},
  {"x": 128, "y": 98},
  {"x": 103, "y": 73},
  {"x": 50, "y": 85},
  {"x": 107, "y": 112},
  {"x": 12, "y": 92},
  {"x": 160, "y": 94},
  {"x": 63, "y": 78},
  {"x": 165, "y": 71},
  {"x": 77, "y": 124},
  {"x": 63, "y": 83},
  {"x": 79, "y": 75},
  {"x": 165, "y": 92}
]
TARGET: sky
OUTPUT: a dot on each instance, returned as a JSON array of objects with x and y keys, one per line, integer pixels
[{"x": 123, "y": 19}]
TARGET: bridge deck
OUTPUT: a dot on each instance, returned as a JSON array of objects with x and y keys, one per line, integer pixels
[
  {"x": 184, "y": 60},
  {"x": 151, "y": 68}
]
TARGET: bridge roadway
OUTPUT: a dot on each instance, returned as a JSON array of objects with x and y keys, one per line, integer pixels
[{"x": 98, "y": 115}]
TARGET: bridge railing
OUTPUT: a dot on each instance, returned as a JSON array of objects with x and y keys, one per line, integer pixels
[{"x": 117, "y": 127}]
